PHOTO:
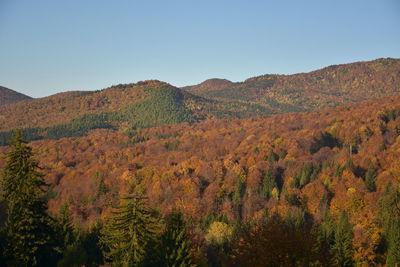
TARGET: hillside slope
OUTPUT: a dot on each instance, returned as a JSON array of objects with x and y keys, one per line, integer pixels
[
  {"x": 8, "y": 96},
  {"x": 327, "y": 87},
  {"x": 239, "y": 170},
  {"x": 123, "y": 107},
  {"x": 153, "y": 103}
]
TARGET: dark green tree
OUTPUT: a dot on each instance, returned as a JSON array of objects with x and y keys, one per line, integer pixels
[
  {"x": 268, "y": 184},
  {"x": 127, "y": 233},
  {"x": 342, "y": 249},
  {"x": 238, "y": 194},
  {"x": 64, "y": 221},
  {"x": 389, "y": 215},
  {"x": 174, "y": 247},
  {"x": 370, "y": 177},
  {"x": 85, "y": 250},
  {"x": 73, "y": 254},
  {"x": 92, "y": 245},
  {"x": 326, "y": 235},
  {"x": 278, "y": 242},
  {"x": 30, "y": 234}
]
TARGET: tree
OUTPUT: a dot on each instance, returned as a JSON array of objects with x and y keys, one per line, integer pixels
[
  {"x": 326, "y": 235},
  {"x": 389, "y": 215},
  {"x": 73, "y": 254},
  {"x": 238, "y": 194},
  {"x": 29, "y": 230},
  {"x": 174, "y": 248},
  {"x": 342, "y": 248},
  {"x": 65, "y": 223},
  {"x": 278, "y": 242},
  {"x": 128, "y": 231},
  {"x": 268, "y": 184},
  {"x": 85, "y": 250},
  {"x": 370, "y": 177}
]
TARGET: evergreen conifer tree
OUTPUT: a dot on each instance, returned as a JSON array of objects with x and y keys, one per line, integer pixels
[
  {"x": 174, "y": 248},
  {"x": 370, "y": 177},
  {"x": 127, "y": 233},
  {"x": 65, "y": 224},
  {"x": 29, "y": 231},
  {"x": 269, "y": 183},
  {"x": 342, "y": 248},
  {"x": 389, "y": 214}
]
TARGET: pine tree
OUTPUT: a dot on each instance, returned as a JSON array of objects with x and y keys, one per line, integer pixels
[
  {"x": 342, "y": 248},
  {"x": 67, "y": 237},
  {"x": 269, "y": 183},
  {"x": 65, "y": 224},
  {"x": 29, "y": 230},
  {"x": 389, "y": 215},
  {"x": 174, "y": 248},
  {"x": 393, "y": 238},
  {"x": 128, "y": 231},
  {"x": 370, "y": 177},
  {"x": 326, "y": 235}
]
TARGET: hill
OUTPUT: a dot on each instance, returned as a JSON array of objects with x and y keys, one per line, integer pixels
[
  {"x": 8, "y": 96},
  {"x": 208, "y": 85},
  {"x": 123, "y": 107},
  {"x": 327, "y": 87},
  {"x": 152, "y": 103},
  {"x": 239, "y": 170}
]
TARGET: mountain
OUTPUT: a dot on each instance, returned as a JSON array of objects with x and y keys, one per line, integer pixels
[
  {"x": 152, "y": 103},
  {"x": 327, "y": 87},
  {"x": 8, "y": 96},
  {"x": 123, "y": 107},
  {"x": 208, "y": 85},
  {"x": 221, "y": 170}
]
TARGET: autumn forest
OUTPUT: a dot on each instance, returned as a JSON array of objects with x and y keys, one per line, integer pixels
[{"x": 277, "y": 170}]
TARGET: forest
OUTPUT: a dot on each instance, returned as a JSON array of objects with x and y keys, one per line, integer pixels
[
  {"x": 66, "y": 114},
  {"x": 319, "y": 188}
]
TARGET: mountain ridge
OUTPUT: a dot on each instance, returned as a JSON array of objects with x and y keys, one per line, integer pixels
[
  {"x": 8, "y": 96},
  {"x": 329, "y": 86},
  {"x": 76, "y": 112}
]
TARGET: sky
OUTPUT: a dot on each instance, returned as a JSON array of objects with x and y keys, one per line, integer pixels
[{"x": 50, "y": 46}]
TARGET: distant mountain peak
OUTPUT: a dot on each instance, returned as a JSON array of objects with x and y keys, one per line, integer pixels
[
  {"x": 209, "y": 85},
  {"x": 146, "y": 83},
  {"x": 216, "y": 82},
  {"x": 8, "y": 96}
]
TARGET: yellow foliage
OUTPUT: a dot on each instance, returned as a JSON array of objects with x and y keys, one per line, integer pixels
[
  {"x": 251, "y": 161},
  {"x": 351, "y": 190},
  {"x": 127, "y": 176},
  {"x": 278, "y": 141},
  {"x": 228, "y": 163},
  {"x": 219, "y": 233},
  {"x": 333, "y": 129},
  {"x": 275, "y": 193}
]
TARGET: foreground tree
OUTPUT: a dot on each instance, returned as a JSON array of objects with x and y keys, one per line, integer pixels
[
  {"x": 342, "y": 248},
  {"x": 30, "y": 238},
  {"x": 278, "y": 242},
  {"x": 389, "y": 214},
  {"x": 128, "y": 232},
  {"x": 174, "y": 247}
]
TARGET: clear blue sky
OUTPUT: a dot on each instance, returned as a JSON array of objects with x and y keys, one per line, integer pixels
[{"x": 48, "y": 46}]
